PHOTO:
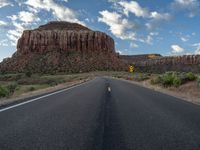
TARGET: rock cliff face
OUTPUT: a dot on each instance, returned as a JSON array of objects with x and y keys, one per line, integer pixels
[
  {"x": 171, "y": 63},
  {"x": 63, "y": 46},
  {"x": 129, "y": 59},
  {"x": 65, "y": 37}
]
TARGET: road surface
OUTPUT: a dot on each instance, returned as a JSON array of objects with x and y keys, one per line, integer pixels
[{"x": 93, "y": 116}]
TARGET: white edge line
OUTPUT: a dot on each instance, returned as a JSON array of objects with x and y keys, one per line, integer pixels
[{"x": 38, "y": 98}]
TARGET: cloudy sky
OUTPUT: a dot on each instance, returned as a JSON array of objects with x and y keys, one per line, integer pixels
[{"x": 167, "y": 27}]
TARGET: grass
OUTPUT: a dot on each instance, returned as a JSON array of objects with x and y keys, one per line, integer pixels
[
  {"x": 132, "y": 76},
  {"x": 17, "y": 84},
  {"x": 173, "y": 78},
  {"x": 28, "y": 88},
  {"x": 4, "y": 92}
]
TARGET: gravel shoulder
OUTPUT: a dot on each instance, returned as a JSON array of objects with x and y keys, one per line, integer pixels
[
  {"x": 188, "y": 91},
  {"x": 22, "y": 97}
]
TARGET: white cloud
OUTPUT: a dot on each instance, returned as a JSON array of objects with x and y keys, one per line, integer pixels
[
  {"x": 154, "y": 33},
  {"x": 185, "y": 3},
  {"x": 119, "y": 26},
  {"x": 176, "y": 49},
  {"x": 197, "y": 46},
  {"x": 138, "y": 11},
  {"x": 120, "y": 52},
  {"x": 184, "y": 39},
  {"x": 190, "y": 6},
  {"x": 4, "y": 3},
  {"x": 134, "y": 8},
  {"x": 15, "y": 33},
  {"x": 13, "y": 17},
  {"x": 27, "y": 17},
  {"x": 155, "y": 18},
  {"x": 20, "y": 22},
  {"x": 159, "y": 16},
  {"x": 113, "y": 1},
  {"x": 4, "y": 42},
  {"x": 193, "y": 33},
  {"x": 3, "y": 23},
  {"x": 149, "y": 40},
  {"x": 133, "y": 45},
  {"x": 89, "y": 20},
  {"x": 60, "y": 12}
]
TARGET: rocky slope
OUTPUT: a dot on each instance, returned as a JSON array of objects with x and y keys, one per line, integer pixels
[
  {"x": 161, "y": 64},
  {"x": 63, "y": 47},
  {"x": 129, "y": 59}
]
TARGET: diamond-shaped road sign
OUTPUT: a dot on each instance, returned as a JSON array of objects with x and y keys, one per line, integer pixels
[{"x": 131, "y": 69}]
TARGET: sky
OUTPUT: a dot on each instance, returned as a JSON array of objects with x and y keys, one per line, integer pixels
[{"x": 166, "y": 27}]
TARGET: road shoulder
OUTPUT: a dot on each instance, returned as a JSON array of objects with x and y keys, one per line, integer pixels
[
  {"x": 31, "y": 95},
  {"x": 182, "y": 96}
]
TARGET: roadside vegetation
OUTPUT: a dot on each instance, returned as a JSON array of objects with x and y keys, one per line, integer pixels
[
  {"x": 167, "y": 79},
  {"x": 175, "y": 79},
  {"x": 12, "y": 85},
  {"x": 132, "y": 76},
  {"x": 17, "y": 84}
]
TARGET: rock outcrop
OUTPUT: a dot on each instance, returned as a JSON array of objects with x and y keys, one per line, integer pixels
[
  {"x": 130, "y": 59},
  {"x": 63, "y": 47},
  {"x": 184, "y": 63}
]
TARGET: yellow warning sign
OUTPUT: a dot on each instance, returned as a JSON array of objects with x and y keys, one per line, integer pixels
[{"x": 131, "y": 69}]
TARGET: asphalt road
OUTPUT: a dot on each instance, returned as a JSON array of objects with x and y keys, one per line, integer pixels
[{"x": 89, "y": 117}]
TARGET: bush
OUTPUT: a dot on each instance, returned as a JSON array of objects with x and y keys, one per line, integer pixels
[
  {"x": 177, "y": 81},
  {"x": 4, "y": 92},
  {"x": 10, "y": 77},
  {"x": 28, "y": 74},
  {"x": 31, "y": 88},
  {"x": 11, "y": 87},
  {"x": 190, "y": 76},
  {"x": 167, "y": 79},
  {"x": 174, "y": 78},
  {"x": 51, "y": 83}
]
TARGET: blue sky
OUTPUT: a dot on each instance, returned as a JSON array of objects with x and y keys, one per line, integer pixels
[{"x": 167, "y": 27}]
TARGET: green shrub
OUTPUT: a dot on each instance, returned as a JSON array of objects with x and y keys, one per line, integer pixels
[
  {"x": 190, "y": 76},
  {"x": 12, "y": 87},
  {"x": 28, "y": 74},
  {"x": 167, "y": 79},
  {"x": 31, "y": 88},
  {"x": 177, "y": 81},
  {"x": 51, "y": 82},
  {"x": 10, "y": 77},
  {"x": 4, "y": 92},
  {"x": 173, "y": 78}
]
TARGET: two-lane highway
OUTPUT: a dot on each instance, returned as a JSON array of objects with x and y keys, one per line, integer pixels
[{"x": 93, "y": 116}]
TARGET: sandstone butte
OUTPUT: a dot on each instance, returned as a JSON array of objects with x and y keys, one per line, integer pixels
[{"x": 63, "y": 47}]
